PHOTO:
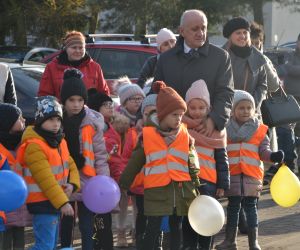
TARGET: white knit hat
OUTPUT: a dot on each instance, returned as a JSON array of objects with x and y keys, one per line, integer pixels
[
  {"x": 198, "y": 90},
  {"x": 129, "y": 90},
  {"x": 240, "y": 95},
  {"x": 164, "y": 35}
]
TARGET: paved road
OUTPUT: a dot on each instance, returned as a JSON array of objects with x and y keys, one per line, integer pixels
[{"x": 279, "y": 227}]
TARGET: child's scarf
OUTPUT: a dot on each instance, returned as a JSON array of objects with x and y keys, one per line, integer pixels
[{"x": 239, "y": 133}]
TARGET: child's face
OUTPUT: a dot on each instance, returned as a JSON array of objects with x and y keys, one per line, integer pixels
[
  {"x": 172, "y": 120},
  {"x": 52, "y": 124},
  {"x": 74, "y": 104},
  {"x": 147, "y": 111},
  {"x": 133, "y": 103},
  {"x": 197, "y": 109},
  {"x": 19, "y": 126},
  {"x": 107, "y": 110},
  {"x": 243, "y": 111}
]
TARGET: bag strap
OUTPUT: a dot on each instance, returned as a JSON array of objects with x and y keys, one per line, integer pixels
[
  {"x": 246, "y": 77},
  {"x": 282, "y": 92}
]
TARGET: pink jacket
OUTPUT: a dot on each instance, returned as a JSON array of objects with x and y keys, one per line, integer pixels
[{"x": 113, "y": 147}]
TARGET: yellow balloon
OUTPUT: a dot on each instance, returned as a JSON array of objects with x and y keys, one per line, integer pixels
[{"x": 285, "y": 187}]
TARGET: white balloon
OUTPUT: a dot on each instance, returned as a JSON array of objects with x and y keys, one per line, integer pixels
[{"x": 206, "y": 215}]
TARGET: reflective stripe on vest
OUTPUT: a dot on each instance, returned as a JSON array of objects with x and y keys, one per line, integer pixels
[
  {"x": 244, "y": 156},
  {"x": 58, "y": 160},
  {"x": 86, "y": 137},
  {"x": 207, "y": 164},
  {"x": 165, "y": 163}
]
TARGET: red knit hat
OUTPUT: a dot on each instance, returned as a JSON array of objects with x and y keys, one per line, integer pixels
[
  {"x": 168, "y": 100},
  {"x": 73, "y": 37}
]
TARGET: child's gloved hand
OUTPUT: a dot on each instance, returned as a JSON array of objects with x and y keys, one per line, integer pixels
[
  {"x": 2, "y": 226},
  {"x": 277, "y": 156}
]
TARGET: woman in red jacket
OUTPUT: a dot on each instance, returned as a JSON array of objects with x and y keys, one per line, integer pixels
[{"x": 73, "y": 55}]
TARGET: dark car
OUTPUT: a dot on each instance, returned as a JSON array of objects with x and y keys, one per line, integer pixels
[
  {"x": 24, "y": 53},
  {"x": 118, "y": 58},
  {"x": 279, "y": 56},
  {"x": 26, "y": 79}
]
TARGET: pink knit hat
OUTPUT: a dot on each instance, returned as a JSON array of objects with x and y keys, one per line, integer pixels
[
  {"x": 164, "y": 35},
  {"x": 198, "y": 90}
]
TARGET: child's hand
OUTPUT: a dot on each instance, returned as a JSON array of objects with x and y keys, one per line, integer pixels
[
  {"x": 68, "y": 189},
  {"x": 220, "y": 192},
  {"x": 67, "y": 210}
]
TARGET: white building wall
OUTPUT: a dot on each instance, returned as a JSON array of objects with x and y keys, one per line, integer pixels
[{"x": 281, "y": 24}]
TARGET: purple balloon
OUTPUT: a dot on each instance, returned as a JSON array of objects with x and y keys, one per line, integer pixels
[{"x": 101, "y": 194}]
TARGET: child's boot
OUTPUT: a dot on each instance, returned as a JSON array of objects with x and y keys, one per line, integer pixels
[
  {"x": 252, "y": 238},
  {"x": 121, "y": 238},
  {"x": 230, "y": 242},
  {"x": 243, "y": 226}
]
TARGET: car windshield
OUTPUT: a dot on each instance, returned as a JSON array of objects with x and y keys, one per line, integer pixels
[
  {"x": 117, "y": 63},
  {"x": 27, "y": 83}
]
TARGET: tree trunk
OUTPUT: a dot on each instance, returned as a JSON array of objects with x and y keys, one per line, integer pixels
[
  {"x": 93, "y": 21},
  {"x": 257, "y": 6}
]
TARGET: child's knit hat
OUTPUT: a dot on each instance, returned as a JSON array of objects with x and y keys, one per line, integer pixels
[
  {"x": 96, "y": 99},
  {"x": 164, "y": 35},
  {"x": 240, "y": 95},
  {"x": 168, "y": 100},
  {"x": 73, "y": 85},
  {"x": 9, "y": 114},
  {"x": 150, "y": 100},
  {"x": 127, "y": 89},
  {"x": 198, "y": 90},
  {"x": 47, "y": 107}
]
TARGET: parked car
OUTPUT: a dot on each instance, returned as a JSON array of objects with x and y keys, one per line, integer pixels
[
  {"x": 291, "y": 45},
  {"x": 23, "y": 53},
  {"x": 279, "y": 56},
  {"x": 27, "y": 79},
  {"x": 117, "y": 58}
]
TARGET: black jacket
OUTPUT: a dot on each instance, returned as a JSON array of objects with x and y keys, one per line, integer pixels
[
  {"x": 210, "y": 63},
  {"x": 148, "y": 70}
]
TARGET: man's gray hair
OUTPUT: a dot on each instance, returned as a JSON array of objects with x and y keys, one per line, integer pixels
[{"x": 195, "y": 11}]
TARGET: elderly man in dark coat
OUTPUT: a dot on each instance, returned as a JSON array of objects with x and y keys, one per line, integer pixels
[{"x": 194, "y": 58}]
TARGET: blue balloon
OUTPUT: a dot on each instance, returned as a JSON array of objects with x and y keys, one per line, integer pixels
[{"x": 13, "y": 191}]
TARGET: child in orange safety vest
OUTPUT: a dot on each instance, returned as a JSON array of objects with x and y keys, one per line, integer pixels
[
  {"x": 163, "y": 153},
  {"x": 212, "y": 156},
  {"x": 83, "y": 128},
  {"x": 3, "y": 166},
  {"x": 49, "y": 172},
  {"x": 12, "y": 126},
  {"x": 247, "y": 146}
]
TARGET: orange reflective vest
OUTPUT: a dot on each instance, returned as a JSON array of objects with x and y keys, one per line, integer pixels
[
  {"x": 86, "y": 138},
  {"x": 11, "y": 159},
  {"x": 165, "y": 163},
  {"x": 207, "y": 164},
  {"x": 139, "y": 178},
  {"x": 59, "y": 163},
  {"x": 2, "y": 160},
  {"x": 244, "y": 156}
]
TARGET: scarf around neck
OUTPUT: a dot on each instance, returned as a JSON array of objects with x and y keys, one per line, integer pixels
[
  {"x": 241, "y": 133},
  {"x": 132, "y": 118},
  {"x": 242, "y": 52},
  {"x": 10, "y": 141},
  {"x": 71, "y": 125},
  {"x": 53, "y": 139}
]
